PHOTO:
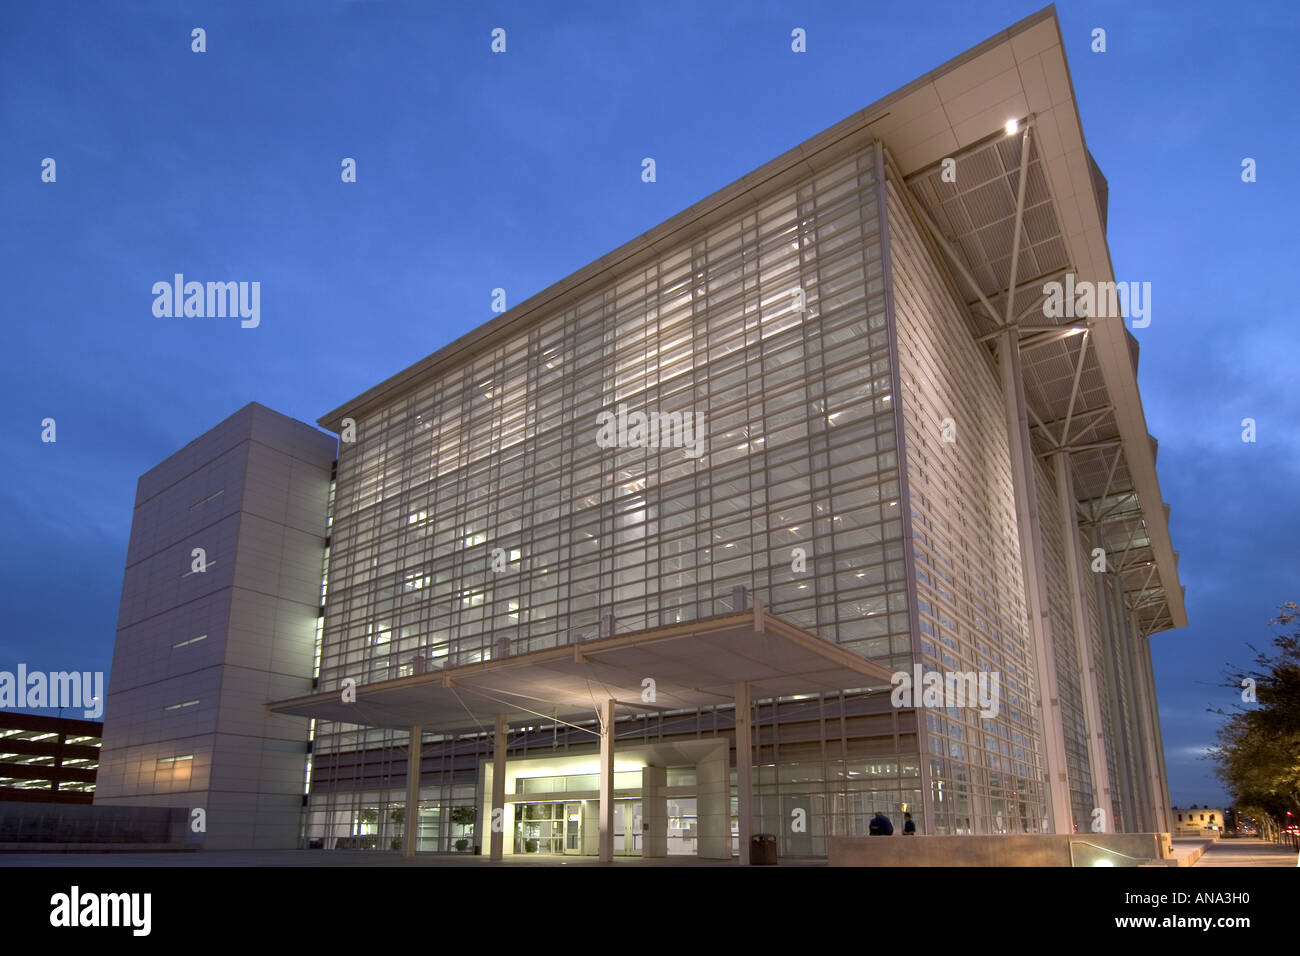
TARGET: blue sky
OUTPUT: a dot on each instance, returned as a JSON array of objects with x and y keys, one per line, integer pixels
[{"x": 477, "y": 171}]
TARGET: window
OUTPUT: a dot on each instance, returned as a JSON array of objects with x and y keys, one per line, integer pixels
[{"x": 204, "y": 501}]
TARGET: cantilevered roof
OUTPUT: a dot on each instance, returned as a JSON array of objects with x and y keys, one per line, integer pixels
[
  {"x": 694, "y": 664},
  {"x": 1081, "y": 389}
]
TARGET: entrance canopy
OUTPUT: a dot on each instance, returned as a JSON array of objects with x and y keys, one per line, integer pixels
[{"x": 693, "y": 664}]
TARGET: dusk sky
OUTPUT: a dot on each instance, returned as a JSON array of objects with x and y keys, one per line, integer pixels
[{"x": 477, "y": 171}]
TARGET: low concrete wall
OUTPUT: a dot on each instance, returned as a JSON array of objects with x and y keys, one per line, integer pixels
[
  {"x": 33, "y": 827},
  {"x": 97, "y": 848},
  {"x": 1018, "y": 849},
  {"x": 1186, "y": 853}
]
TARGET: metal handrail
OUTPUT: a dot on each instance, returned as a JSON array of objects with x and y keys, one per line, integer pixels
[{"x": 1104, "y": 849}]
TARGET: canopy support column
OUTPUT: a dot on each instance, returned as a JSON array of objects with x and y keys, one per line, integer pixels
[
  {"x": 607, "y": 782},
  {"x": 744, "y": 771},
  {"x": 412, "y": 793},
  {"x": 498, "y": 821}
]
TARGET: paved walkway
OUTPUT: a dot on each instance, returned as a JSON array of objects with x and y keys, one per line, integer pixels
[
  {"x": 1247, "y": 852},
  {"x": 1244, "y": 852},
  {"x": 337, "y": 858}
]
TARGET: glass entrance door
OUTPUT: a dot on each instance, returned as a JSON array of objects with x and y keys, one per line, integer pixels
[
  {"x": 627, "y": 828},
  {"x": 539, "y": 828},
  {"x": 556, "y": 828},
  {"x": 572, "y": 829}
]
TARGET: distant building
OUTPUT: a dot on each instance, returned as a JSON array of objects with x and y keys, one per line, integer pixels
[
  {"x": 1197, "y": 819},
  {"x": 48, "y": 759}
]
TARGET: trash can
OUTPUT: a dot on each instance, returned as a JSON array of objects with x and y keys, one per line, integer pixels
[{"x": 762, "y": 849}]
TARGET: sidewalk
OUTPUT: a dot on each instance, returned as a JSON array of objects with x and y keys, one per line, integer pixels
[{"x": 1247, "y": 852}]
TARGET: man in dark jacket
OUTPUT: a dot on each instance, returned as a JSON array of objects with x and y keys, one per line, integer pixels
[
  {"x": 880, "y": 825},
  {"x": 909, "y": 828}
]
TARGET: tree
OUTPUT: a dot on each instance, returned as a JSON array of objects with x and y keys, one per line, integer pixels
[
  {"x": 465, "y": 816},
  {"x": 1258, "y": 751}
]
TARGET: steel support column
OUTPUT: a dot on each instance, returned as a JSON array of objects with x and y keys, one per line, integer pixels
[
  {"x": 1151, "y": 722},
  {"x": 1133, "y": 711},
  {"x": 412, "y": 792},
  {"x": 1089, "y": 678},
  {"x": 1111, "y": 647},
  {"x": 1059, "y": 814},
  {"x": 497, "y": 824},
  {"x": 1160, "y": 747},
  {"x": 607, "y": 782},
  {"x": 744, "y": 770}
]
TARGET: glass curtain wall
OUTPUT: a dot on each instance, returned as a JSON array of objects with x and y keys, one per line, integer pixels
[{"x": 478, "y": 514}]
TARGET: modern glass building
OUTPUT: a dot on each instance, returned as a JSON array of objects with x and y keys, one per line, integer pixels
[
  {"x": 904, "y": 457},
  {"x": 631, "y": 568}
]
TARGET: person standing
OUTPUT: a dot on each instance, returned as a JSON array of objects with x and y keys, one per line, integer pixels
[
  {"x": 909, "y": 828},
  {"x": 880, "y": 825}
]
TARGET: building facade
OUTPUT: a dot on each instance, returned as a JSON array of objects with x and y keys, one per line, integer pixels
[
  {"x": 220, "y": 614},
  {"x": 902, "y": 454},
  {"x": 831, "y": 400},
  {"x": 1198, "y": 821}
]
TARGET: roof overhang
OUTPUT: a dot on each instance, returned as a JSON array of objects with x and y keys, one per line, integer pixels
[
  {"x": 1082, "y": 390},
  {"x": 693, "y": 664}
]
